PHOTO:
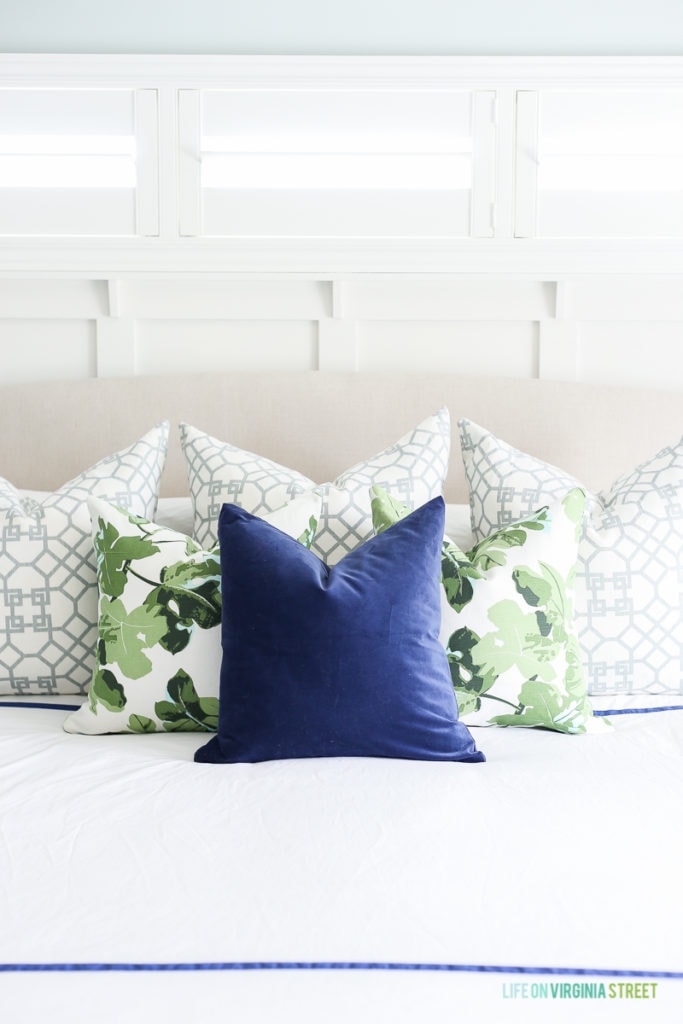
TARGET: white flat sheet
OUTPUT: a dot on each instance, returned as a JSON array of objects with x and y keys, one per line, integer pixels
[{"x": 559, "y": 852}]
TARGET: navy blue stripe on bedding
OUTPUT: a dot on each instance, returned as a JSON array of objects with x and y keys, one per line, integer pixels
[
  {"x": 639, "y": 711},
  {"x": 605, "y": 714},
  {"x": 29, "y": 704},
  {"x": 593, "y": 972}
]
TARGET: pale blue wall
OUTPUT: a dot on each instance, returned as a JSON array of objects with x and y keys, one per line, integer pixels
[{"x": 459, "y": 27}]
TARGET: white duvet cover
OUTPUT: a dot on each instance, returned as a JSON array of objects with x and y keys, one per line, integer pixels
[{"x": 342, "y": 889}]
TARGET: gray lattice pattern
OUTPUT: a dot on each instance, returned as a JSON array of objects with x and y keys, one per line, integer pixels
[
  {"x": 48, "y": 578},
  {"x": 629, "y": 583},
  {"x": 412, "y": 470}
]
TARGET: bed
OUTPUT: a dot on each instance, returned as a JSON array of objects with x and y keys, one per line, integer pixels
[{"x": 139, "y": 884}]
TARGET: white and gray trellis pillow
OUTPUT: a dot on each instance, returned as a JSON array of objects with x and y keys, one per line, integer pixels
[
  {"x": 629, "y": 581},
  {"x": 412, "y": 470},
  {"x": 48, "y": 576}
]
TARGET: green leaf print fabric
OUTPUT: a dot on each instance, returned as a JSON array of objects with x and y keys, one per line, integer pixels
[
  {"x": 159, "y": 632},
  {"x": 508, "y": 620}
]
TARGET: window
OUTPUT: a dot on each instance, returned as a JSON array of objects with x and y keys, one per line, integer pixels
[
  {"x": 603, "y": 164},
  {"x": 70, "y": 161},
  {"x": 343, "y": 164},
  {"x": 334, "y": 163}
]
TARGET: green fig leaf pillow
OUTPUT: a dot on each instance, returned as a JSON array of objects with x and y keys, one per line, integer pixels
[
  {"x": 413, "y": 469},
  {"x": 629, "y": 580},
  {"x": 507, "y": 620},
  {"x": 48, "y": 598},
  {"x": 159, "y": 644}
]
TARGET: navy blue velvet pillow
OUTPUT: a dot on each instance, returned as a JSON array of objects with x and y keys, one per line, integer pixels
[{"x": 340, "y": 661}]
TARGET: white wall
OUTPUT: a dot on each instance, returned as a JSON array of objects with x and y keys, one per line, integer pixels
[
  {"x": 458, "y": 27},
  {"x": 603, "y": 330},
  {"x": 609, "y": 311}
]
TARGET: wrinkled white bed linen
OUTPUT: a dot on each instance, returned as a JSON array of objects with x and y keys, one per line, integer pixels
[{"x": 560, "y": 851}]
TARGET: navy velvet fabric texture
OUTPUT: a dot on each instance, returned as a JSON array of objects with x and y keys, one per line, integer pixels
[{"x": 341, "y": 661}]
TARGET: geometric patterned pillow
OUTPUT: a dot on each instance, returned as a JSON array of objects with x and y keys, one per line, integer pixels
[
  {"x": 629, "y": 582},
  {"x": 159, "y": 640},
  {"x": 48, "y": 598},
  {"x": 412, "y": 471}
]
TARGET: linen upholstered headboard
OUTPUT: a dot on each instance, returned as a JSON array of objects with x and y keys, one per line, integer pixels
[{"x": 321, "y": 423}]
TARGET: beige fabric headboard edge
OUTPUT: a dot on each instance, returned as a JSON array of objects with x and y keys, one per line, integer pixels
[{"x": 321, "y": 423}]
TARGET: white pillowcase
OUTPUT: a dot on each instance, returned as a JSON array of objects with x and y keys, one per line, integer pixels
[
  {"x": 629, "y": 581},
  {"x": 176, "y": 514},
  {"x": 458, "y": 526},
  {"x": 412, "y": 471},
  {"x": 48, "y": 600}
]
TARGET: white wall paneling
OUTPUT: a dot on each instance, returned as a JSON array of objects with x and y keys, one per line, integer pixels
[
  {"x": 116, "y": 347},
  {"x": 180, "y": 346},
  {"x": 448, "y": 299},
  {"x": 558, "y": 342},
  {"x": 612, "y": 328},
  {"x": 645, "y": 354},
  {"x": 338, "y": 347},
  {"x": 558, "y": 350},
  {"x": 472, "y": 347},
  {"x": 48, "y": 349},
  {"x": 225, "y": 299},
  {"x": 640, "y": 298},
  {"x": 345, "y": 214},
  {"x": 65, "y": 299},
  {"x": 338, "y": 333},
  {"x": 114, "y": 296}
]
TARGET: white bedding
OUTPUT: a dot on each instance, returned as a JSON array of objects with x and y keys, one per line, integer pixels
[{"x": 559, "y": 852}]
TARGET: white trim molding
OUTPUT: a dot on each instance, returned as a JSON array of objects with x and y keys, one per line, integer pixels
[
  {"x": 38, "y": 70},
  {"x": 503, "y": 199}
]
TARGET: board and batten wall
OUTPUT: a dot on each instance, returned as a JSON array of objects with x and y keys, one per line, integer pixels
[
  {"x": 489, "y": 294},
  {"x": 606, "y": 330}
]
